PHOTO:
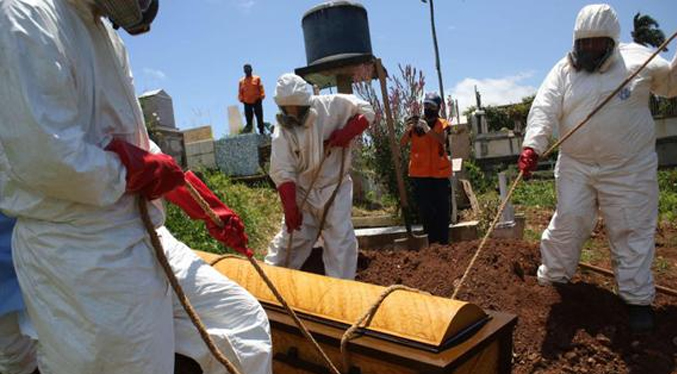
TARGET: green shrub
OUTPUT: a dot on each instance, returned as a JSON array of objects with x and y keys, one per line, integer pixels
[
  {"x": 542, "y": 193},
  {"x": 481, "y": 182},
  {"x": 258, "y": 207}
]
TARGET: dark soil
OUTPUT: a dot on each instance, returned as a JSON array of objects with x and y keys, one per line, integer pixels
[{"x": 576, "y": 328}]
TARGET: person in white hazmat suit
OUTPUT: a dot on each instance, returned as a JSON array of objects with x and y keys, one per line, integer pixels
[
  {"x": 308, "y": 126},
  {"x": 74, "y": 155},
  {"x": 609, "y": 164},
  {"x": 232, "y": 316}
]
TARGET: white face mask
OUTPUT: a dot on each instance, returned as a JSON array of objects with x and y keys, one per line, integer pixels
[{"x": 135, "y": 16}]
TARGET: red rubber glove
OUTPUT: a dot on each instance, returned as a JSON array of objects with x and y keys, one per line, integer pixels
[
  {"x": 527, "y": 161},
  {"x": 292, "y": 215},
  {"x": 231, "y": 234},
  {"x": 149, "y": 175},
  {"x": 354, "y": 127}
]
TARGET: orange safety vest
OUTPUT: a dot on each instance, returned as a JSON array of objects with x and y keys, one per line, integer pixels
[
  {"x": 428, "y": 158},
  {"x": 251, "y": 90}
]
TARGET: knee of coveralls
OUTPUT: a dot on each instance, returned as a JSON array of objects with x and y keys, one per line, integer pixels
[
  {"x": 629, "y": 204},
  {"x": 302, "y": 242},
  {"x": 340, "y": 244},
  {"x": 569, "y": 228}
]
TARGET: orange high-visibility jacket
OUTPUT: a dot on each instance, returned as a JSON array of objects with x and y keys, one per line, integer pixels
[
  {"x": 251, "y": 90},
  {"x": 428, "y": 158}
]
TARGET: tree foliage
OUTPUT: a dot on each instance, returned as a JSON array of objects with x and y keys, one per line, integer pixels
[
  {"x": 646, "y": 31},
  {"x": 405, "y": 96},
  {"x": 504, "y": 116}
]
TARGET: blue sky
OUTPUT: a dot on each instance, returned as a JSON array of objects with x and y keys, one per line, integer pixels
[{"x": 197, "y": 48}]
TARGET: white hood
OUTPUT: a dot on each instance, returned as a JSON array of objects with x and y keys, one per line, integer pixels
[
  {"x": 597, "y": 21},
  {"x": 292, "y": 90}
]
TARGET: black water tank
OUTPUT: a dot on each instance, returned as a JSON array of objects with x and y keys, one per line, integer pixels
[{"x": 335, "y": 30}]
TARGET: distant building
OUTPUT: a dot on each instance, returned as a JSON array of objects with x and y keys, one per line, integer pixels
[{"x": 158, "y": 113}]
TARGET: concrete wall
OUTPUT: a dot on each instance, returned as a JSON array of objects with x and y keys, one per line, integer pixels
[
  {"x": 239, "y": 155},
  {"x": 497, "y": 145},
  {"x": 201, "y": 154},
  {"x": 200, "y": 151},
  {"x": 198, "y": 134},
  {"x": 666, "y": 141}
]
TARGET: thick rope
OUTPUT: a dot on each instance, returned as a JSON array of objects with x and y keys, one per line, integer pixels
[
  {"x": 316, "y": 176},
  {"x": 223, "y": 257},
  {"x": 178, "y": 290},
  {"x": 266, "y": 279},
  {"x": 548, "y": 152},
  {"x": 366, "y": 318}
]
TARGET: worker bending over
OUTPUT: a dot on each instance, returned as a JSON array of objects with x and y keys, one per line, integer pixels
[
  {"x": 430, "y": 168},
  {"x": 309, "y": 129},
  {"x": 609, "y": 164},
  {"x": 74, "y": 157}
]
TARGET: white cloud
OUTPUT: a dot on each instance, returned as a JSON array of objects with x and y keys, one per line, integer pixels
[
  {"x": 494, "y": 91},
  {"x": 155, "y": 73}
]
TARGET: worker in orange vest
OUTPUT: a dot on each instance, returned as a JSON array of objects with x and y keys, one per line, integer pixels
[
  {"x": 430, "y": 168},
  {"x": 251, "y": 94}
]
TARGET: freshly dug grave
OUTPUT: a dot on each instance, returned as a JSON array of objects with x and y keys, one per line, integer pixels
[{"x": 577, "y": 328}]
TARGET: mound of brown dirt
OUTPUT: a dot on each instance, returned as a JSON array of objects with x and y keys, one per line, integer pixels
[{"x": 575, "y": 328}]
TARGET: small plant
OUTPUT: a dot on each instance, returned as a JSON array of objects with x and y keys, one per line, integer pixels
[
  {"x": 661, "y": 265},
  {"x": 481, "y": 182},
  {"x": 489, "y": 204}
]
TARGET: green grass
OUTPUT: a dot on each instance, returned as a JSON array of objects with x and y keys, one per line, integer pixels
[
  {"x": 259, "y": 208},
  {"x": 532, "y": 235},
  {"x": 542, "y": 193},
  {"x": 538, "y": 193}
]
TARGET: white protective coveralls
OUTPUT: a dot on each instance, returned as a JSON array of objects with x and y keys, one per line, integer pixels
[
  {"x": 296, "y": 153},
  {"x": 610, "y": 163},
  {"x": 94, "y": 292},
  {"x": 233, "y": 318}
]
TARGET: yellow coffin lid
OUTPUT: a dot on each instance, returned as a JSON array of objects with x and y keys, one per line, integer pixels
[{"x": 421, "y": 318}]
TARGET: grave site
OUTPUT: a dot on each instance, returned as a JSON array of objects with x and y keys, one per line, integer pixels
[
  {"x": 472, "y": 306},
  {"x": 365, "y": 230}
]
